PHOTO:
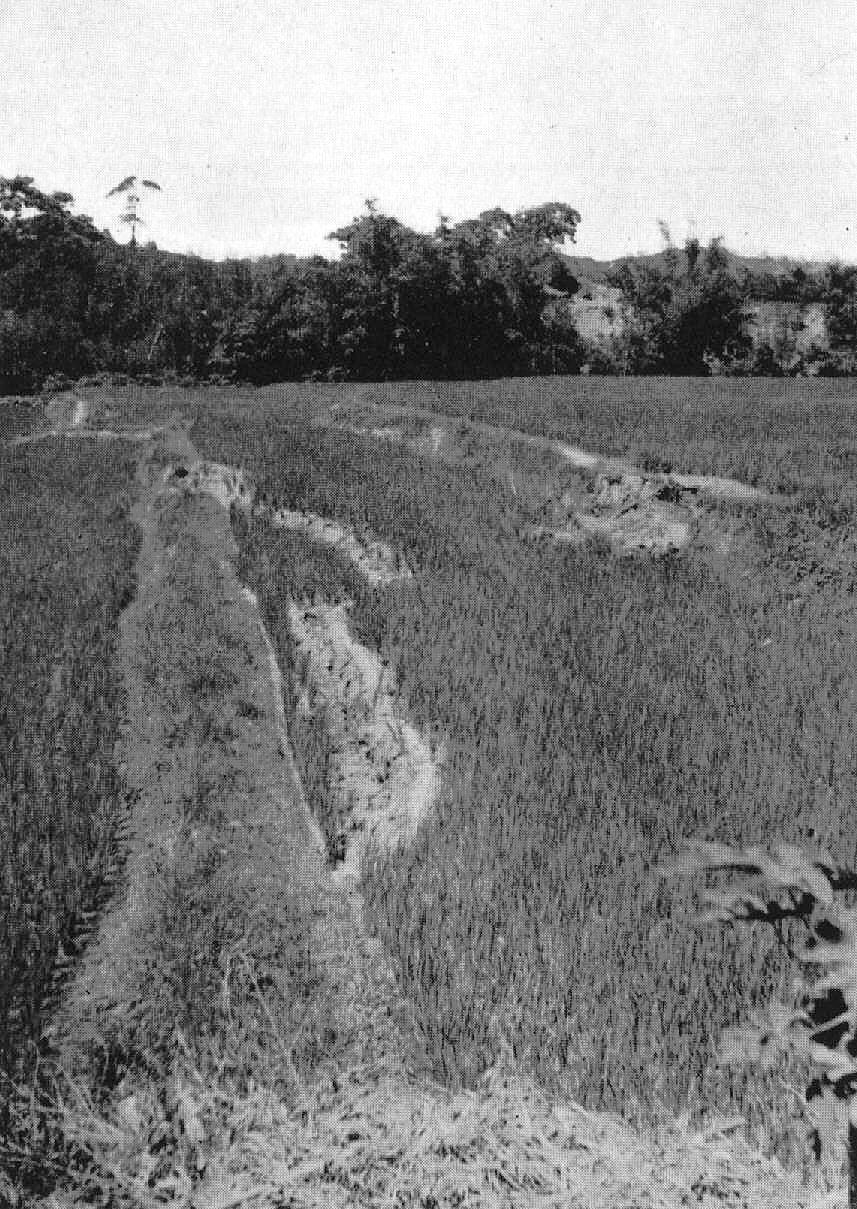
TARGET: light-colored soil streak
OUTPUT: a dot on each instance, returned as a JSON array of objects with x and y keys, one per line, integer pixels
[
  {"x": 633, "y": 510},
  {"x": 386, "y": 778},
  {"x": 372, "y": 557},
  {"x": 81, "y": 411}
]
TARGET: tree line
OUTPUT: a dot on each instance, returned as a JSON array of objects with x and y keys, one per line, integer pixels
[{"x": 487, "y": 297}]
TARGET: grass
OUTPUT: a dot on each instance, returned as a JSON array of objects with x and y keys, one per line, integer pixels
[
  {"x": 66, "y": 569},
  {"x": 206, "y": 966},
  {"x": 67, "y": 550},
  {"x": 596, "y": 712},
  {"x": 17, "y": 417}
]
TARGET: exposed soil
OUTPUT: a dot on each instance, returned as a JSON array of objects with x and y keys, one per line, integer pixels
[
  {"x": 374, "y": 559},
  {"x": 386, "y": 777},
  {"x": 634, "y": 511},
  {"x": 68, "y": 415}
]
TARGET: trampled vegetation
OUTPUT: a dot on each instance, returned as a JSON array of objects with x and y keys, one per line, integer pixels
[
  {"x": 67, "y": 548},
  {"x": 596, "y": 712}
]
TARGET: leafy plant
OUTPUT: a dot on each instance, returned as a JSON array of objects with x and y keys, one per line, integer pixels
[{"x": 775, "y": 886}]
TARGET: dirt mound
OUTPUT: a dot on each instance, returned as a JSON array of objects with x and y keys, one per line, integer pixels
[{"x": 637, "y": 514}]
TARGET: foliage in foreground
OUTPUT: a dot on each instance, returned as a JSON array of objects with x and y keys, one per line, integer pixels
[
  {"x": 594, "y": 712},
  {"x": 794, "y": 892}
]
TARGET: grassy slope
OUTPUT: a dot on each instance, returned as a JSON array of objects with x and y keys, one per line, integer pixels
[{"x": 597, "y": 713}]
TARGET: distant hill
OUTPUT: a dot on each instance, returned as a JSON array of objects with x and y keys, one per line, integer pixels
[{"x": 588, "y": 270}]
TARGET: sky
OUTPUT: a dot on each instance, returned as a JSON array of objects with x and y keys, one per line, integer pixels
[{"x": 268, "y": 123}]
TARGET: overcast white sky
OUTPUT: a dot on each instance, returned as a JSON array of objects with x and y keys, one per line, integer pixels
[{"x": 268, "y": 122}]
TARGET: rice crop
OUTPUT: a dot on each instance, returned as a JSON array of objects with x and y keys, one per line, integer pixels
[
  {"x": 596, "y": 712},
  {"x": 779, "y": 433},
  {"x": 17, "y": 416},
  {"x": 67, "y": 548}
]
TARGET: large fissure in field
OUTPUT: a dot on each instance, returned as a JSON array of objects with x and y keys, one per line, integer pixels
[
  {"x": 385, "y": 780},
  {"x": 207, "y": 752}
]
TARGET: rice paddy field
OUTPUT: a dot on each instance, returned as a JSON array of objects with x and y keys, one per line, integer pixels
[
  {"x": 67, "y": 548},
  {"x": 588, "y": 713},
  {"x": 595, "y": 712}
]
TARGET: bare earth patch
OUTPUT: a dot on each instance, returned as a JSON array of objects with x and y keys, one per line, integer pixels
[
  {"x": 373, "y": 558},
  {"x": 634, "y": 511},
  {"x": 386, "y": 778}
]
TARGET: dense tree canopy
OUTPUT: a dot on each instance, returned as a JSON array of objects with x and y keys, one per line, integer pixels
[
  {"x": 48, "y": 262},
  {"x": 486, "y": 297},
  {"x": 684, "y": 316}
]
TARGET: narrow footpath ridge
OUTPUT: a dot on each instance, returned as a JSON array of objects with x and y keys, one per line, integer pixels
[{"x": 231, "y": 941}]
